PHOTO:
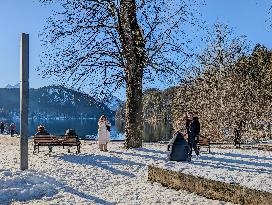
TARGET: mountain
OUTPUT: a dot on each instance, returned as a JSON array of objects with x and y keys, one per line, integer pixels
[
  {"x": 52, "y": 102},
  {"x": 112, "y": 102},
  {"x": 13, "y": 86}
]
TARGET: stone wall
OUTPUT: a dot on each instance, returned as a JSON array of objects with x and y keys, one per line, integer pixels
[{"x": 209, "y": 188}]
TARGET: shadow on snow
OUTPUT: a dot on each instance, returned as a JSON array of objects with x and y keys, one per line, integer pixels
[
  {"x": 103, "y": 162},
  {"x": 35, "y": 186}
]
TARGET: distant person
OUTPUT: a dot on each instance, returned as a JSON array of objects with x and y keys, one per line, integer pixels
[
  {"x": 2, "y": 127},
  {"x": 42, "y": 131},
  {"x": 179, "y": 148},
  {"x": 193, "y": 130},
  {"x": 103, "y": 133},
  {"x": 237, "y": 138},
  {"x": 12, "y": 129}
]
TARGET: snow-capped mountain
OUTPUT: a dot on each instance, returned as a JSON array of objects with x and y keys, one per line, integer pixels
[
  {"x": 54, "y": 101},
  {"x": 13, "y": 86},
  {"x": 112, "y": 102}
]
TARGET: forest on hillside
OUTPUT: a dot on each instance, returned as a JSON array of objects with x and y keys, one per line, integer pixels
[{"x": 52, "y": 102}]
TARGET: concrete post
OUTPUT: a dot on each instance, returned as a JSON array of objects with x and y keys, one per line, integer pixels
[{"x": 24, "y": 95}]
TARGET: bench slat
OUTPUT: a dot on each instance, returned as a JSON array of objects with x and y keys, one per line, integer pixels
[
  {"x": 203, "y": 141},
  {"x": 52, "y": 140}
]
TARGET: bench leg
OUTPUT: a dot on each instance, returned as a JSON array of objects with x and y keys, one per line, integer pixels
[
  {"x": 209, "y": 149},
  {"x": 69, "y": 150},
  {"x": 78, "y": 149},
  {"x": 34, "y": 149},
  {"x": 38, "y": 149}
]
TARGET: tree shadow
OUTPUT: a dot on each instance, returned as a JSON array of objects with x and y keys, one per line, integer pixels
[
  {"x": 228, "y": 167},
  {"x": 97, "y": 200},
  {"x": 231, "y": 164},
  {"x": 237, "y": 161},
  {"x": 141, "y": 155},
  {"x": 103, "y": 162},
  {"x": 245, "y": 156},
  {"x": 151, "y": 150},
  {"x": 42, "y": 184}
]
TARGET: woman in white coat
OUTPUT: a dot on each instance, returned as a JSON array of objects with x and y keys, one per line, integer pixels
[{"x": 103, "y": 133}]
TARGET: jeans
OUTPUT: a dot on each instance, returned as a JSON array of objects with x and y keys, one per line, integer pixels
[{"x": 192, "y": 143}]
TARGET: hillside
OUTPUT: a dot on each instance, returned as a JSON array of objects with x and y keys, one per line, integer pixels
[
  {"x": 51, "y": 102},
  {"x": 112, "y": 102}
]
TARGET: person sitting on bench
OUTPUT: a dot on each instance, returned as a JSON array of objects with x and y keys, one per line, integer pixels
[
  {"x": 179, "y": 148},
  {"x": 42, "y": 131},
  {"x": 70, "y": 132}
]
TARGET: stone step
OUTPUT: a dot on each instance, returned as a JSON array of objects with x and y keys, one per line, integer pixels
[{"x": 209, "y": 188}]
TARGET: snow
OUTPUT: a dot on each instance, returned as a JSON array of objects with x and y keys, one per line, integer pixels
[
  {"x": 112, "y": 102},
  {"x": 119, "y": 176},
  {"x": 266, "y": 142},
  {"x": 249, "y": 168},
  {"x": 24, "y": 186}
]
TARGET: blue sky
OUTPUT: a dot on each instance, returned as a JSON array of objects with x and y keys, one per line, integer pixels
[
  {"x": 247, "y": 17},
  {"x": 18, "y": 16}
]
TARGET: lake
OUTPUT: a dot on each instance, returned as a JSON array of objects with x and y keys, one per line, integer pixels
[
  {"x": 82, "y": 127},
  {"x": 152, "y": 133}
]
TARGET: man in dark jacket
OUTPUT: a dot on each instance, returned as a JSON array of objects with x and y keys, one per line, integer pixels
[
  {"x": 179, "y": 148},
  {"x": 12, "y": 129},
  {"x": 2, "y": 127},
  {"x": 237, "y": 137},
  {"x": 193, "y": 130}
]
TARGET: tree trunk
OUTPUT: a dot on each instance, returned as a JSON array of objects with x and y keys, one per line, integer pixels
[
  {"x": 133, "y": 47},
  {"x": 134, "y": 114}
]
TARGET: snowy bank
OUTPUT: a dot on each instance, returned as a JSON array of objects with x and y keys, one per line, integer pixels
[
  {"x": 211, "y": 189},
  {"x": 119, "y": 176}
]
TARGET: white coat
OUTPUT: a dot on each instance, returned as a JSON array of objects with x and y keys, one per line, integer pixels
[{"x": 103, "y": 133}]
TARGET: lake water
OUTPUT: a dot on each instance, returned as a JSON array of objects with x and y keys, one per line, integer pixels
[{"x": 82, "y": 127}]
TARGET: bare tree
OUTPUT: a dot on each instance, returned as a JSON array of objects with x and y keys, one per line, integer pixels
[
  {"x": 218, "y": 59},
  {"x": 254, "y": 74},
  {"x": 112, "y": 43},
  {"x": 269, "y": 19},
  {"x": 209, "y": 92}
]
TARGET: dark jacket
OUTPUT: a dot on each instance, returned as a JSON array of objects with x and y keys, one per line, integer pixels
[
  {"x": 42, "y": 133},
  {"x": 194, "y": 128},
  {"x": 187, "y": 125},
  {"x": 179, "y": 148}
]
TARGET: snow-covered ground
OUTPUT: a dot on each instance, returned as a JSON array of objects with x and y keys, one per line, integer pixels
[{"x": 119, "y": 176}]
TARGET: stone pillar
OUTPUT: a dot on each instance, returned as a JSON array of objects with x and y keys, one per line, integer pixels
[{"x": 24, "y": 95}]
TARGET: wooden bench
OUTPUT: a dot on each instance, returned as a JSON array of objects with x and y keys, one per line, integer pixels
[
  {"x": 204, "y": 142},
  {"x": 51, "y": 140}
]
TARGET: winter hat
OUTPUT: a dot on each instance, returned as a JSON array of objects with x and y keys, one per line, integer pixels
[{"x": 41, "y": 128}]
